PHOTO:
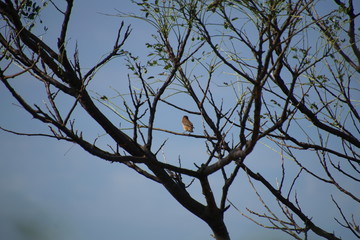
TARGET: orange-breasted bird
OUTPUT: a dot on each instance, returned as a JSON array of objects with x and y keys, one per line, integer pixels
[{"x": 187, "y": 125}]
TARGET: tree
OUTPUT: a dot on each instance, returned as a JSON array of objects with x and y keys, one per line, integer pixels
[{"x": 284, "y": 68}]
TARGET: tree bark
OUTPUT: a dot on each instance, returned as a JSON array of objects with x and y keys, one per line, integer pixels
[
  {"x": 217, "y": 225},
  {"x": 220, "y": 231}
]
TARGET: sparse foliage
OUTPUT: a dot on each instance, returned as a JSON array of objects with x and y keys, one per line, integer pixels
[{"x": 277, "y": 73}]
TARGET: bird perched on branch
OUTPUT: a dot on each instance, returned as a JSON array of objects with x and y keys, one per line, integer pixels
[{"x": 187, "y": 125}]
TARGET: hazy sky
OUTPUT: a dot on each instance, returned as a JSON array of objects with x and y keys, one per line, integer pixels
[{"x": 54, "y": 190}]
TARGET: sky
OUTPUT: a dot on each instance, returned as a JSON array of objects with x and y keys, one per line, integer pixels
[{"x": 51, "y": 189}]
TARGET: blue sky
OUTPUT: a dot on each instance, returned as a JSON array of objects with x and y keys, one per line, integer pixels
[{"x": 54, "y": 190}]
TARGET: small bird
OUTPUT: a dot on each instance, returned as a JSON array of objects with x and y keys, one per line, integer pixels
[{"x": 187, "y": 125}]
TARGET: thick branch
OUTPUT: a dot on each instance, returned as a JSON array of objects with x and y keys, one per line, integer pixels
[{"x": 289, "y": 204}]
